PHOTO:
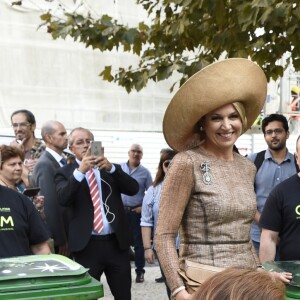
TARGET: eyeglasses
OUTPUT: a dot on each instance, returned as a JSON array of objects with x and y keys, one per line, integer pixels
[
  {"x": 21, "y": 125},
  {"x": 82, "y": 142},
  {"x": 277, "y": 131}
]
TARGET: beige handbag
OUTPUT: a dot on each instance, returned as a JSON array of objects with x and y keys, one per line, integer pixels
[{"x": 194, "y": 274}]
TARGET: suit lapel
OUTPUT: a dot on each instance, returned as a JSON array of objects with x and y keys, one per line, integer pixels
[{"x": 52, "y": 159}]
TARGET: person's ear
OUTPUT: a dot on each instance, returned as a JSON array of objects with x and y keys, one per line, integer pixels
[{"x": 47, "y": 138}]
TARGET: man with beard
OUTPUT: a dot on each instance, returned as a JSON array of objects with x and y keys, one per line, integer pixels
[
  {"x": 280, "y": 218},
  {"x": 55, "y": 137},
  {"x": 274, "y": 165},
  {"x": 24, "y": 125}
]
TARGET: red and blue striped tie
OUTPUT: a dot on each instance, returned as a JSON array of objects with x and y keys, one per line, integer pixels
[{"x": 98, "y": 222}]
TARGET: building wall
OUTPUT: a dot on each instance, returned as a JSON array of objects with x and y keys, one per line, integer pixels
[{"x": 58, "y": 79}]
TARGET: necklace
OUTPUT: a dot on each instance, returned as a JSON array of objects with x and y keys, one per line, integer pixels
[{"x": 8, "y": 185}]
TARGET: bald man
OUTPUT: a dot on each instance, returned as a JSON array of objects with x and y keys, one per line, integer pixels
[
  {"x": 133, "y": 204},
  {"x": 55, "y": 137}
]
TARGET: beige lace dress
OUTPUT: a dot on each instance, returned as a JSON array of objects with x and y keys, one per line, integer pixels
[{"x": 213, "y": 202}]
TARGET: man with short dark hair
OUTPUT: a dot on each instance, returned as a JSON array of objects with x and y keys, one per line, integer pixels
[
  {"x": 24, "y": 125},
  {"x": 277, "y": 164},
  {"x": 280, "y": 218},
  {"x": 55, "y": 137}
]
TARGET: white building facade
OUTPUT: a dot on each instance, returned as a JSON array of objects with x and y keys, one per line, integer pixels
[{"x": 58, "y": 79}]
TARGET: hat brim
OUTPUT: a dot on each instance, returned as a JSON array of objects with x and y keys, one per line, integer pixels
[{"x": 220, "y": 83}]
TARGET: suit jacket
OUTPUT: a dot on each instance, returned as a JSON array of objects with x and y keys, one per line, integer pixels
[
  {"x": 77, "y": 195},
  {"x": 56, "y": 216}
]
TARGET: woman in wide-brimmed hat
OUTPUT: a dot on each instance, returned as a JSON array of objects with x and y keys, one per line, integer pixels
[{"x": 209, "y": 190}]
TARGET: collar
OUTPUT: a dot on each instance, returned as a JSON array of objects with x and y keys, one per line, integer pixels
[
  {"x": 56, "y": 156},
  {"x": 288, "y": 156}
]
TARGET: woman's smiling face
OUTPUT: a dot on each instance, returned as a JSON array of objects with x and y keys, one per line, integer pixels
[{"x": 222, "y": 127}]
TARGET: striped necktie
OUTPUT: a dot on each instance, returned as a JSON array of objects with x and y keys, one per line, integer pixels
[{"x": 94, "y": 191}]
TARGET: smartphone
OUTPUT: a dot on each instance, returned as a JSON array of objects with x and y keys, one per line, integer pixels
[
  {"x": 31, "y": 192},
  {"x": 96, "y": 148}
]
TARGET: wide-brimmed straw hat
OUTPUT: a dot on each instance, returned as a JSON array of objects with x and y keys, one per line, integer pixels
[{"x": 223, "y": 82}]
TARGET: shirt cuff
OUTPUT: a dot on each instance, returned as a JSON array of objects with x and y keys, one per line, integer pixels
[
  {"x": 112, "y": 170},
  {"x": 78, "y": 175}
]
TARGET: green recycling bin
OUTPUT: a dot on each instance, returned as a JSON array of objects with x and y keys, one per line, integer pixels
[
  {"x": 293, "y": 288},
  {"x": 46, "y": 277}
]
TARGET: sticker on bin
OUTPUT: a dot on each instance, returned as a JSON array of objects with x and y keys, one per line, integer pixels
[
  {"x": 51, "y": 277},
  {"x": 33, "y": 266}
]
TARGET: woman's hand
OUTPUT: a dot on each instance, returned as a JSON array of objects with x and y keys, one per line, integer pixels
[
  {"x": 183, "y": 295},
  {"x": 149, "y": 256}
]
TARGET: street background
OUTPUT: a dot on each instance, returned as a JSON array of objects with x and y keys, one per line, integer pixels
[{"x": 148, "y": 290}]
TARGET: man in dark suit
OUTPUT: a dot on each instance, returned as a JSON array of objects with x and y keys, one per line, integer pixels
[
  {"x": 55, "y": 137},
  {"x": 104, "y": 250}
]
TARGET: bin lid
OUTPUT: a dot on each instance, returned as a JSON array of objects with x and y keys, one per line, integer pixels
[
  {"x": 293, "y": 288},
  {"x": 40, "y": 271},
  {"x": 41, "y": 266},
  {"x": 34, "y": 276}
]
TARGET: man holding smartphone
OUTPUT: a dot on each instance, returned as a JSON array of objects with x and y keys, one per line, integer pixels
[{"x": 91, "y": 186}]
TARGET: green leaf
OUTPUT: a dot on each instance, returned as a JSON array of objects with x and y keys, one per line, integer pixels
[
  {"x": 106, "y": 74},
  {"x": 265, "y": 16},
  {"x": 183, "y": 36},
  {"x": 46, "y": 17},
  {"x": 19, "y": 3}
]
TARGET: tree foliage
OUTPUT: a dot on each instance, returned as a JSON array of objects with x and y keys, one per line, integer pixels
[{"x": 186, "y": 35}]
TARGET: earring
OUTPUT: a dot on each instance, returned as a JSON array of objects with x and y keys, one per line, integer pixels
[{"x": 201, "y": 128}]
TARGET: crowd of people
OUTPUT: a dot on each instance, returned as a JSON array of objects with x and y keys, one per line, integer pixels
[{"x": 210, "y": 217}]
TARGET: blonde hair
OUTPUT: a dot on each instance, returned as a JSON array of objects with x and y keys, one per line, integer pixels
[
  {"x": 240, "y": 108},
  {"x": 241, "y": 284}
]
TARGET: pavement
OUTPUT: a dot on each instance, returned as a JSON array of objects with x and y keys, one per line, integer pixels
[{"x": 148, "y": 290}]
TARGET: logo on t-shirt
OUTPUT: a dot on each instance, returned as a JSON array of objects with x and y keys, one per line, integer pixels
[
  {"x": 6, "y": 221},
  {"x": 297, "y": 211}
]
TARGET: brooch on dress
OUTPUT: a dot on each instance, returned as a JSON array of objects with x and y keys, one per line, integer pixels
[{"x": 205, "y": 168}]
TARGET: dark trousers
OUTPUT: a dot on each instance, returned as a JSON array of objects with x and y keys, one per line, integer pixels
[
  {"x": 102, "y": 254},
  {"x": 134, "y": 220}
]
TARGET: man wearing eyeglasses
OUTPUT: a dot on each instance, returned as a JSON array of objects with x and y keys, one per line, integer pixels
[
  {"x": 133, "y": 204},
  {"x": 99, "y": 236},
  {"x": 23, "y": 124},
  {"x": 280, "y": 218},
  {"x": 274, "y": 165}
]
